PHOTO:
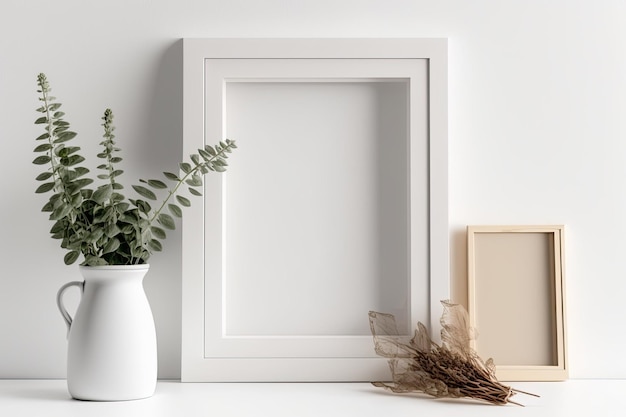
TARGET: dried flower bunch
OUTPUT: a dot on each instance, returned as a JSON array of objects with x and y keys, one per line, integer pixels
[{"x": 452, "y": 370}]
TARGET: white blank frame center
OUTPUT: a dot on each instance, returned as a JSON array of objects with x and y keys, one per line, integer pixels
[{"x": 320, "y": 217}]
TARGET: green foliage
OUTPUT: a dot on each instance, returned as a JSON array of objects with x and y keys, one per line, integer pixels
[{"x": 100, "y": 223}]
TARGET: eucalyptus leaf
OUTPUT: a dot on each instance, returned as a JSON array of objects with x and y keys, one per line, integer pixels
[
  {"x": 41, "y": 160},
  {"x": 65, "y": 136},
  {"x": 72, "y": 160},
  {"x": 166, "y": 221},
  {"x": 58, "y": 226},
  {"x": 111, "y": 246},
  {"x": 75, "y": 186},
  {"x": 59, "y": 129},
  {"x": 60, "y": 212},
  {"x": 185, "y": 167},
  {"x": 44, "y": 176},
  {"x": 171, "y": 176},
  {"x": 94, "y": 235},
  {"x": 93, "y": 260},
  {"x": 59, "y": 235},
  {"x": 66, "y": 151},
  {"x": 144, "y": 192},
  {"x": 157, "y": 184},
  {"x": 71, "y": 257},
  {"x": 195, "y": 192},
  {"x": 101, "y": 216},
  {"x": 194, "y": 181},
  {"x": 43, "y": 147},
  {"x": 44, "y": 188},
  {"x": 102, "y": 194},
  {"x": 143, "y": 206},
  {"x": 205, "y": 155},
  {"x": 158, "y": 232},
  {"x": 80, "y": 171},
  {"x": 185, "y": 202},
  {"x": 76, "y": 200},
  {"x": 175, "y": 210},
  {"x": 210, "y": 150},
  {"x": 112, "y": 229},
  {"x": 121, "y": 206},
  {"x": 155, "y": 245}
]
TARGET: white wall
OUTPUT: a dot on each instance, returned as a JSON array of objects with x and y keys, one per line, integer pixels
[{"x": 536, "y": 135}]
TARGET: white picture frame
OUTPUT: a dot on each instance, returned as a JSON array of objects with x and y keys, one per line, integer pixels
[
  {"x": 516, "y": 299},
  {"x": 226, "y": 334}
]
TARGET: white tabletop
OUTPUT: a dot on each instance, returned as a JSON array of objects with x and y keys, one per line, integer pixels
[{"x": 50, "y": 398}]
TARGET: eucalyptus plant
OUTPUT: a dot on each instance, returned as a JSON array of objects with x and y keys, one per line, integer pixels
[{"x": 99, "y": 222}]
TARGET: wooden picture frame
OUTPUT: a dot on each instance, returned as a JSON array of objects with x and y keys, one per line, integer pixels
[
  {"x": 262, "y": 303},
  {"x": 516, "y": 300}
]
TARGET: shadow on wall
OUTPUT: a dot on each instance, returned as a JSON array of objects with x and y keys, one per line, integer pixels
[
  {"x": 458, "y": 266},
  {"x": 163, "y": 143},
  {"x": 164, "y": 130}
]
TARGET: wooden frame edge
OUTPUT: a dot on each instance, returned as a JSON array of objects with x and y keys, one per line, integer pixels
[{"x": 560, "y": 371}]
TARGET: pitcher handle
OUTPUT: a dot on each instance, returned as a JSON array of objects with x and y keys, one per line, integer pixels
[{"x": 66, "y": 316}]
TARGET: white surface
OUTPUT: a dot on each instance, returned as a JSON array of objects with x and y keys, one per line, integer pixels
[
  {"x": 557, "y": 399},
  {"x": 325, "y": 211},
  {"x": 537, "y": 100}
]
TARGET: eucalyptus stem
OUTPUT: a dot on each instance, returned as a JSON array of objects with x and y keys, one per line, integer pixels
[
  {"x": 101, "y": 224},
  {"x": 193, "y": 172},
  {"x": 58, "y": 170},
  {"x": 109, "y": 146}
]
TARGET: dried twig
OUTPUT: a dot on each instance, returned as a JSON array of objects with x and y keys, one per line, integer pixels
[{"x": 452, "y": 370}]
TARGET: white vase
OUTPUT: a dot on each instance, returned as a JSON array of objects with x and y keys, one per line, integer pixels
[{"x": 112, "y": 353}]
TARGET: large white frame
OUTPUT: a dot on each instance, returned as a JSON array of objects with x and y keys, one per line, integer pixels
[{"x": 338, "y": 358}]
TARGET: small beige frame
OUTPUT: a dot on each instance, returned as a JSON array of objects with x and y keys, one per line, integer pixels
[{"x": 516, "y": 300}]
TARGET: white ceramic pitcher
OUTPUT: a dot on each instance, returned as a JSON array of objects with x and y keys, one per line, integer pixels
[{"x": 112, "y": 353}]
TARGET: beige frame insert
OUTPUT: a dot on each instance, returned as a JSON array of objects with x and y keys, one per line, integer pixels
[{"x": 516, "y": 300}]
